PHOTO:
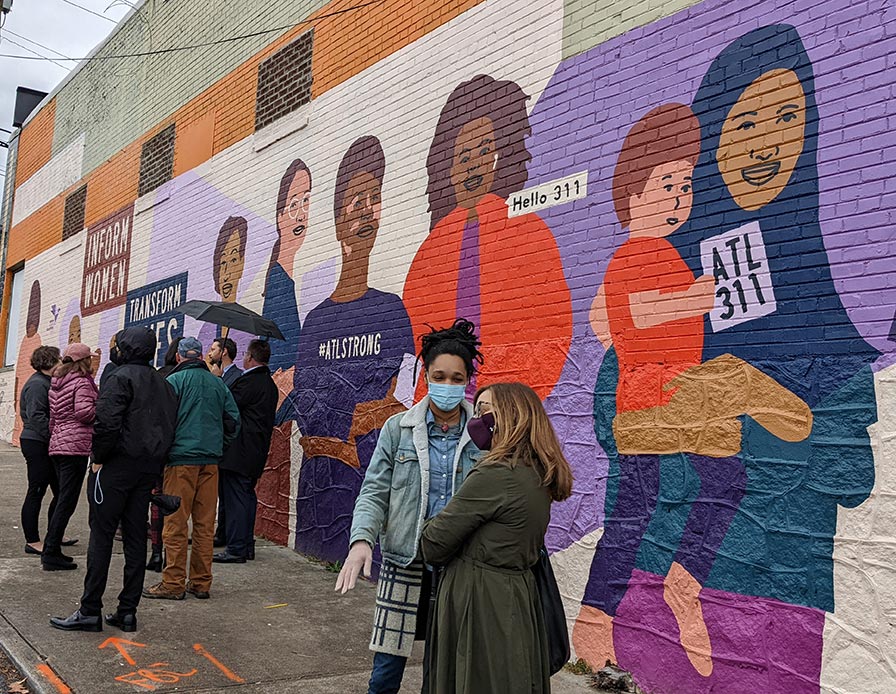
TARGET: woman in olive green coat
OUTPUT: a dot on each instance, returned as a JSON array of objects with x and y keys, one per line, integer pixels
[{"x": 488, "y": 633}]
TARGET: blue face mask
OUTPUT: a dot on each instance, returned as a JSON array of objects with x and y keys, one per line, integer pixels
[{"x": 446, "y": 396}]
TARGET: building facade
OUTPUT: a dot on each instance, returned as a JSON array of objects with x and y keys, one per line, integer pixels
[{"x": 673, "y": 219}]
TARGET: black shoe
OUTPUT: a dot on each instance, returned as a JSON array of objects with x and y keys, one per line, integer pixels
[
  {"x": 155, "y": 562},
  {"x": 30, "y": 550},
  {"x": 125, "y": 622},
  {"x": 250, "y": 555},
  {"x": 57, "y": 562},
  {"x": 77, "y": 622},
  {"x": 69, "y": 543},
  {"x": 228, "y": 558},
  {"x": 220, "y": 542},
  {"x": 200, "y": 594}
]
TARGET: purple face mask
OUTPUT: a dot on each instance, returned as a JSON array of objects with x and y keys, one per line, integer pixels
[{"x": 481, "y": 430}]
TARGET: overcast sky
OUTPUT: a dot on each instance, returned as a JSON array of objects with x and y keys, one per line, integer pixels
[{"x": 58, "y": 26}]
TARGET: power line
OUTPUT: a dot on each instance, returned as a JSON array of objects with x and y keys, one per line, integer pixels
[
  {"x": 47, "y": 48},
  {"x": 175, "y": 49},
  {"x": 87, "y": 9},
  {"x": 31, "y": 50}
]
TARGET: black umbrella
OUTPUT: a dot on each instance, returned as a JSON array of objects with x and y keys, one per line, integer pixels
[{"x": 232, "y": 316}]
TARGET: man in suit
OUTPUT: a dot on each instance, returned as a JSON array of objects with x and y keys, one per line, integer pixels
[
  {"x": 220, "y": 360},
  {"x": 256, "y": 397}
]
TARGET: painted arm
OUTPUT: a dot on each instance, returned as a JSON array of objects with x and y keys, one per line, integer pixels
[
  {"x": 654, "y": 307},
  {"x": 599, "y": 319}
]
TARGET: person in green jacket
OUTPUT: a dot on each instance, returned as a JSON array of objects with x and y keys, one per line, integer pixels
[
  {"x": 208, "y": 420},
  {"x": 488, "y": 632}
]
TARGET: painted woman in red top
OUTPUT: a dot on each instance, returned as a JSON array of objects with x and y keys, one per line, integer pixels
[{"x": 502, "y": 273}]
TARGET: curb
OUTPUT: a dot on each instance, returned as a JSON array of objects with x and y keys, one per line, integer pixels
[{"x": 24, "y": 656}]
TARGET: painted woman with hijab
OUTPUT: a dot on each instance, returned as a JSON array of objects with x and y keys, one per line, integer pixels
[
  {"x": 350, "y": 352},
  {"x": 762, "y": 152},
  {"x": 757, "y": 171},
  {"x": 29, "y": 343},
  {"x": 503, "y": 273}
]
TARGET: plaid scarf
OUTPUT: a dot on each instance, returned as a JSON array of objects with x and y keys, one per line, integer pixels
[{"x": 395, "y": 619}]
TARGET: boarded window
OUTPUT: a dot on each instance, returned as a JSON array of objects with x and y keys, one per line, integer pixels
[
  {"x": 157, "y": 160},
  {"x": 284, "y": 81},
  {"x": 73, "y": 218}
]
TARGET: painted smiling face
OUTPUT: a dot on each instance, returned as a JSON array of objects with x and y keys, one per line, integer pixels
[
  {"x": 359, "y": 220},
  {"x": 292, "y": 220},
  {"x": 762, "y": 139},
  {"x": 665, "y": 203},
  {"x": 473, "y": 166},
  {"x": 231, "y": 268}
]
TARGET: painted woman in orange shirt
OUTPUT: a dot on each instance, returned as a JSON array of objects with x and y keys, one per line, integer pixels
[{"x": 502, "y": 273}]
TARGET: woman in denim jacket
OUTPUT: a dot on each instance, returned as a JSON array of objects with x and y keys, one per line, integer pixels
[{"x": 421, "y": 458}]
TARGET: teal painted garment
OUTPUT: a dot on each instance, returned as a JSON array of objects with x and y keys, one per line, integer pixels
[{"x": 781, "y": 540}]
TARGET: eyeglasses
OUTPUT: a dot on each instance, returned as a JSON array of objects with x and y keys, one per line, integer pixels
[{"x": 296, "y": 205}]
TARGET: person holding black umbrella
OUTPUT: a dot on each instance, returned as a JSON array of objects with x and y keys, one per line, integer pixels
[{"x": 256, "y": 396}]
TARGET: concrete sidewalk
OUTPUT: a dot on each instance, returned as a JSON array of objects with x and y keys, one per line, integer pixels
[{"x": 273, "y": 625}]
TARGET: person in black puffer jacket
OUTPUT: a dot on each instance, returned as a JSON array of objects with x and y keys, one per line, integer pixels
[{"x": 136, "y": 417}]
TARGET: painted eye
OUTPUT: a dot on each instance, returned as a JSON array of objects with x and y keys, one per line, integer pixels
[
  {"x": 464, "y": 159},
  {"x": 668, "y": 188},
  {"x": 787, "y": 117},
  {"x": 484, "y": 151},
  {"x": 746, "y": 125},
  {"x": 686, "y": 188}
]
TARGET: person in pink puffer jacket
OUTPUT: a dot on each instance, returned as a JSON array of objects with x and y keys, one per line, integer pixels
[{"x": 73, "y": 394}]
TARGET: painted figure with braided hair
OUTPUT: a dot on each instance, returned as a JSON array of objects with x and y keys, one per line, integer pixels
[{"x": 422, "y": 457}]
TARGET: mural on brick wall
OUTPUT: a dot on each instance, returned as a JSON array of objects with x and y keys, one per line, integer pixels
[
  {"x": 660, "y": 235},
  {"x": 734, "y": 393}
]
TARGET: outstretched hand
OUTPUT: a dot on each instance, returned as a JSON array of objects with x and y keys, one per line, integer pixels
[{"x": 359, "y": 560}]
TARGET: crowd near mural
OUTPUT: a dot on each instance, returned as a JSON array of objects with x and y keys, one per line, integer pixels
[{"x": 682, "y": 321}]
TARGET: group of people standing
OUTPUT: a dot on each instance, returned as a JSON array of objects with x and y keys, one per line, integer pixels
[
  {"x": 196, "y": 423},
  {"x": 457, "y": 495}
]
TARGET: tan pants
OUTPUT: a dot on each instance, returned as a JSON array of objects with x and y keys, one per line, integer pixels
[{"x": 197, "y": 487}]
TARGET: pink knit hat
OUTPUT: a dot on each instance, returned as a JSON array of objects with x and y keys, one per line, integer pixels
[{"x": 76, "y": 351}]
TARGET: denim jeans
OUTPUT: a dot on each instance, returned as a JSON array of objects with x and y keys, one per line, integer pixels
[{"x": 388, "y": 671}]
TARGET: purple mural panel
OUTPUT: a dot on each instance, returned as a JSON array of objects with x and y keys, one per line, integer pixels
[{"x": 593, "y": 99}]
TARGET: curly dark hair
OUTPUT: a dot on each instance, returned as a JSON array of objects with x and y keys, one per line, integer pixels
[
  {"x": 459, "y": 340},
  {"x": 45, "y": 357},
  {"x": 504, "y": 103}
]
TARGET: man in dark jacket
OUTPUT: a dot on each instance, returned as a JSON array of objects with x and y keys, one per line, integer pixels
[
  {"x": 256, "y": 396},
  {"x": 136, "y": 416},
  {"x": 207, "y": 422}
]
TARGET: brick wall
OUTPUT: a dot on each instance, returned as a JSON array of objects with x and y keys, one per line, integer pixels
[{"x": 684, "y": 245}]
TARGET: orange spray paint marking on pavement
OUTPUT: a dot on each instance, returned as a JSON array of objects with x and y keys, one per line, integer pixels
[
  {"x": 53, "y": 679},
  {"x": 233, "y": 677},
  {"x": 120, "y": 644}
]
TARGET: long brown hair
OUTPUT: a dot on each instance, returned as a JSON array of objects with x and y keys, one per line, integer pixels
[
  {"x": 67, "y": 366},
  {"x": 524, "y": 434}
]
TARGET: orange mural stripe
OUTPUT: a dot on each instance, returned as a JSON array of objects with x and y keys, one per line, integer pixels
[
  {"x": 345, "y": 45},
  {"x": 36, "y": 143},
  {"x": 230, "y": 674},
  {"x": 53, "y": 678}
]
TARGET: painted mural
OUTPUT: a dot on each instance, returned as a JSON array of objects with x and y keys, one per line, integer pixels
[{"x": 668, "y": 262}]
